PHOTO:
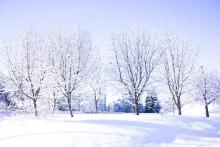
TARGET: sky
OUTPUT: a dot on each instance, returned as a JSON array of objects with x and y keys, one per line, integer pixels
[{"x": 197, "y": 20}]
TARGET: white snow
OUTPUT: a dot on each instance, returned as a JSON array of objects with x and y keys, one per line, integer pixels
[{"x": 109, "y": 130}]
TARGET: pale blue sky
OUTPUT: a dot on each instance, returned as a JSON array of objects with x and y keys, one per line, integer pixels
[{"x": 199, "y": 20}]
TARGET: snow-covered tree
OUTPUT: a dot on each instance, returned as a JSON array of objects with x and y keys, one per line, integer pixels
[
  {"x": 53, "y": 95},
  {"x": 122, "y": 105},
  {"x": 152, "y": 104},
  {"x": 178, "y": 65},
  {"x": 70, "y": 61},
  {"x": 96, "y": 93},
  {"x": 97, "y": 85},
  {"x": 168, "y": 106},
  {"x": 136, "y": 57},
  {"x": 207, "y": 89},
  {"x": 79, "y": 101},
  {"x": 25, "y": 66}
]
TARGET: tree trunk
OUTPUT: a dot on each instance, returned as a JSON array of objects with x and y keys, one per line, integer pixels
[
  {"x": 179, "y": 106},
  {"x": 96, "y": 107},
  {"x": 133, "y": 109},
  {"x": 206, "y": 110},
  {"x": 70, "y": 105},
  {"x": 206, "y": 106},
  {"x": 136, "y": 107},
  {"x": 179, "y": 111},
  {"x": 173, "y": 108},
  {"x": 54, "y": 105},
  {"x": 35, "y": 108}
]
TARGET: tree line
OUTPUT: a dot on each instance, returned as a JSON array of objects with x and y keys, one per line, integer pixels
[{"x": 53, "y": 64}]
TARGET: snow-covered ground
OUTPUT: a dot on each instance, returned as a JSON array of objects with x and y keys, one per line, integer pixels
[{"x": 109, "y": 130}]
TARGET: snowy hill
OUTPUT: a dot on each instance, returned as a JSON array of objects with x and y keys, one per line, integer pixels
[
  {"x": 196, "y": 109},
  {"x": 109, "y": 130}
]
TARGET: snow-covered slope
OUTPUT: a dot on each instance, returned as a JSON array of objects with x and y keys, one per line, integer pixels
[
  {"x": 196, "y": 109},
  {"x": 109, "y": 130}
]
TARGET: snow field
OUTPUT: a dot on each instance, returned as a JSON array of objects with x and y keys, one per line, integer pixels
[{"x": 117, "y": 130}]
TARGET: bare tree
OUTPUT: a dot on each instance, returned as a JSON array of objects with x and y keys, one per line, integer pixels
[
  {"x": 54, "y": 97},
  {"x": 136, "y": 56},
  {"x": 26, "y": 67},
  {"x": 97, "y": 94},
  {"x": 217, "y": 88},
  {"x": 178, "y": 64},
  {"x": 54, "y": 101},
  {"x": 70, "y": 61},
  {"x": 79, "y": 101},
  {"x": 97, "y": 83},
  {"x": 207, "y": 89},
  {"x": 168, "y": 106}
]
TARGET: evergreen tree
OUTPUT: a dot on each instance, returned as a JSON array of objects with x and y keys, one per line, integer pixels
[{"x": 152, "y": 105}]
